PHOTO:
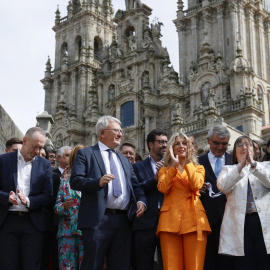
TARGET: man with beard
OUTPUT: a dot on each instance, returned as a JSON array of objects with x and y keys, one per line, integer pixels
[{"x": 145, "y": 240}]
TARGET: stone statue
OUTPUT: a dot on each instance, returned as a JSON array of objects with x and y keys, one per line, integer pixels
[
  {"x": 205, "y": 93},
  {"x": 111, "y": 93},
  {"x": 132, "y": 41},
  {"x": 59, "y": 141},
  {"x": 176, "y": 111}
]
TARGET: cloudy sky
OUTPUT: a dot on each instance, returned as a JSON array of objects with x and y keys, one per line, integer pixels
[{"x": 27, "y": 39}]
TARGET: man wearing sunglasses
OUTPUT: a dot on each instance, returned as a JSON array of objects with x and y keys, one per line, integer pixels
[{"x": 212, "y": 199}]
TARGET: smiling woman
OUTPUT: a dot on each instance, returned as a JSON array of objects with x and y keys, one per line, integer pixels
[
  {"x": 245, "y": 233},
  {"x": 183, "y": 226}
]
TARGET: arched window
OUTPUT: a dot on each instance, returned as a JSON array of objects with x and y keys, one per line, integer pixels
[
  {"x": 127, "y": 114},
  {"x": 98, "y": 48},
  {"x": 78, "y": 45},
  {"x": 64, "y": 50}
]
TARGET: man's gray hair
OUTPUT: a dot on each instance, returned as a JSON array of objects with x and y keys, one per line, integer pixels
[
  {"x": 30, "y": 133},
  {"x": 103, "y": 122},
  {"x": 220, "y": 131},
  {"x": 61, "y": 150}
]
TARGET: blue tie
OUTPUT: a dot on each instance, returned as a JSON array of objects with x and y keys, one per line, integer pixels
[
  {"x": 218, "y": 166},
  {"x": 117, "y": 190}
]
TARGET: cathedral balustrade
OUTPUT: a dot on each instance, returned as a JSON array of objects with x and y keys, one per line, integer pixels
[
  {"x": 63, "y": 19},
  {"x": 195, "y": 126},
  {"x": 192, "y": 10}
]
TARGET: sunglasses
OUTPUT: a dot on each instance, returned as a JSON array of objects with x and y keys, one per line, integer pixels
[{"x": 219, "y": 143}]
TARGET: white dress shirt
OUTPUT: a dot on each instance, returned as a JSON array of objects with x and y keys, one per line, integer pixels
[
  {"x": 153, "y": 165},
  {"x": 212, "y": 159},
  {"x": 122, "y": 201},
  {"x": 61, "y": 170},
  {"x": 23, "y": 182}
]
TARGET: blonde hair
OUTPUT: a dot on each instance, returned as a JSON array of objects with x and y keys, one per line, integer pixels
[
  {"x": 73, "y": 155},
  {"x": 167, "y": 156}
]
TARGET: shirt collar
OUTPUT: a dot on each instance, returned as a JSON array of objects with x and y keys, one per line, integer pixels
[
  {"x": 211, "y": 155},
  {"x": 152, "y": 160},
  {"x": 20, "y": 157},
  {"x": 103, "y": 147}
]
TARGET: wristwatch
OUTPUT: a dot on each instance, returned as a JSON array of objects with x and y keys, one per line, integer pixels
[{"x": 253, "y": 166}]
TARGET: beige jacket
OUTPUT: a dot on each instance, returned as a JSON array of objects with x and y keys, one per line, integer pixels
[{"x": 235, "y": 186}]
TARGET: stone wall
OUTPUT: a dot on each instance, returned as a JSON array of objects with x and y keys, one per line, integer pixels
[{"x": 8, "y": 129}]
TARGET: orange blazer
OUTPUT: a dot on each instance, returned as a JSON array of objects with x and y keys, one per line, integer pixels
[{"x": 182, "y": 210}]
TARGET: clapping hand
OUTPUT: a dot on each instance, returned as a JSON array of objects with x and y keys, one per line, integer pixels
[
  {"x": 68, "y": 203},
  {"x": 159, "y": 165},
  {"x": 65, "y": 173},
  {"x": 13, "y": 198},
  {"x": 175, "y": 159}
]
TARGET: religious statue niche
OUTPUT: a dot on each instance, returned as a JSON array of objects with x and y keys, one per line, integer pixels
[
  {"x": 205, "y": 88},
  {"x": 111, "y": 92},
  {"x": 59, "y": 141},
  {"x": 131, "y": 38},
  {"x": 145, "y": 79},
  {"x": 176, "y": 111}
]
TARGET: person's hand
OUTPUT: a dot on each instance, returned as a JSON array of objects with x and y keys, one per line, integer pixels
[
  {"x": 175, "y": 160},
  {"x": 13, "y": 198},
  {"x": 189, "y": 152},
  {"x": 68, "y": 203},
  {"x": 105, "y": 179},
  {"x": 204, "y": 187},
  {"x": 243, "y": 162},
  {"x": 159, "y": 165},
  {"x": 140, "y": 209},
  {"x": 250, "y": 159},
  {"x": 22, "y": 197},
  {"x": 65, "y": 172}
]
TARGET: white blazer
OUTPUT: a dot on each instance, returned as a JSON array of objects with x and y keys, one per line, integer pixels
[{"x": 235, "y": 186}]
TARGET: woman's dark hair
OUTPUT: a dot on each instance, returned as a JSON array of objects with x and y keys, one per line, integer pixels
[
  {"x": 46, "y": 151},
  {"x": 260, "y": 157},
  {"x": 238, "y": 140},
  {"x": 266, "y": 156}
]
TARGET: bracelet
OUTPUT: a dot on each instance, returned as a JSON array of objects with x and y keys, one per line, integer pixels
[{"x": 253, "y": 166}]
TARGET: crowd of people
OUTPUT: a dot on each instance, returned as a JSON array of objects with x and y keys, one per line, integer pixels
[{"x": 98, "y": 208}]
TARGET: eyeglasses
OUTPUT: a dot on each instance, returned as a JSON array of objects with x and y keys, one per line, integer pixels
[
  {"x": 242, "y": 145},
  {"x": 52, "y": 156},
  {"x": 116, "y": 131},
  {"x": 219, "y": 143},
  {"x": 161, "y": 142}
]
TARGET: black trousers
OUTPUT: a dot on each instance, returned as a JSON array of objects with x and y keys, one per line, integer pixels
[
  {"x": 256, "y": 257},
  {"x": 213, "y": 260},
  {"x": 110, "y": 239},
  {"x": 20, "y": 244}
]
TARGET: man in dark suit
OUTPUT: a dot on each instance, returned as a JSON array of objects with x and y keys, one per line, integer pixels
[
  {"x": 145, "y": 240},
  {"x": 212, "y": 199},
  {"x": 110, "y": 198},
  {"x": 25, "y": 187}
]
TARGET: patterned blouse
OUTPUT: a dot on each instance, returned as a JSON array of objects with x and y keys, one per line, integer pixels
[{"x": 68, "y": 219}]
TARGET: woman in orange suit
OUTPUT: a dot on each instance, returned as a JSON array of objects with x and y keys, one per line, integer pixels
[{"x": 183, "y": 226}]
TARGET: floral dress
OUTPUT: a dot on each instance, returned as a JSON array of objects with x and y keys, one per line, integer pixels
[{"x": 70, "y": 247}]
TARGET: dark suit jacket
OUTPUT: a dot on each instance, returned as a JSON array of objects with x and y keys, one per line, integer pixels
[
  {"x": 143, "y": 171},
  {"x": 87, "y": 170},
  {"x": 40, "y": 186},
  {"x": 214, "y": 207}
]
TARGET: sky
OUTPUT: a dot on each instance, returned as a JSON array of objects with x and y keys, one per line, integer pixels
[{"x": 27, "y": 39}]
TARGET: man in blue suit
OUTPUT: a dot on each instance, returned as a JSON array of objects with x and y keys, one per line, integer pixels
[
  {"x": 212, "y": 199},
  {"x": 25, "y": 187},
  {"x": 111, "y": 197},
  {"x": 145, "y": 240}
]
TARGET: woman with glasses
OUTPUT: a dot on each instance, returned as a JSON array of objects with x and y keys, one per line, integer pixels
[
  {"x": 245, "y": 231},
  {"x": 183, "y": 226}
]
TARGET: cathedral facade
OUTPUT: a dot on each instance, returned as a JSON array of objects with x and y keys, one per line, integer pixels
[{"x": 118, "y": 66}]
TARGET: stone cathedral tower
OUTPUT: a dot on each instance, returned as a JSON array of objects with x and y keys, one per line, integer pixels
[
  {"x": 102, "y": 68},
  {"x": 80, "y": 39},
  {"x": 224, "y": 56}
]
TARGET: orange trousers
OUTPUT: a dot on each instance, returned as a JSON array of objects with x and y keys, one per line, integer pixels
[{"x": 182, "y": 252}]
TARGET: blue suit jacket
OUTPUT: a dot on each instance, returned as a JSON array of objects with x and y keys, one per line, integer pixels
[
  {"x": 87, "y": 170},
  {"x": 214, "y": 207},
  {"x": 40, "y": 186},
  {"x": 145, "y": 175}
]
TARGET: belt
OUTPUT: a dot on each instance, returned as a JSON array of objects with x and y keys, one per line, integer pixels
[
  {"x": 19, "y": 213},
  {"x": 115, "y": 211},
  {"x": 252, "y": 213}
]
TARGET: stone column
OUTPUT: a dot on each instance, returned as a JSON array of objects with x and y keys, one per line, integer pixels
[
  {"x": 81, "y": 93},
  {"x": 146, "y": 130},
  {"x": 261, "y": 47},
  {"x": 233, "y": 33},
  {"x": 194, "y": 34},
  {"x": 221, "y": 41},
  {"x": 267, "y": 40}
]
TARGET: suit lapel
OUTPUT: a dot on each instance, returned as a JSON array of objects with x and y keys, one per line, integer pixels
[
  {"x": 99, "y": 158},
  {"x": 228, "y": 159},
  {"x": 14, "y": 167},
  {"x": 34, "y": 172},
  {"x": 148, "y": 166}
]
